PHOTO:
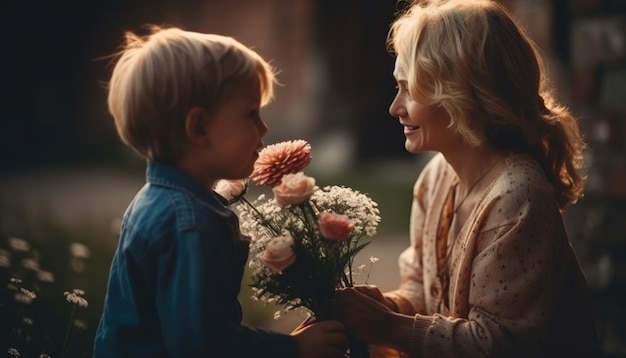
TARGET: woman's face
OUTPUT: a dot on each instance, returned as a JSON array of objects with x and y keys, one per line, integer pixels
[{"x": 425, "y": 126}]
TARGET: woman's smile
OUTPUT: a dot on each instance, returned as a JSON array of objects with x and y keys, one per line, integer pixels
[{"x": 409, "y": 129}]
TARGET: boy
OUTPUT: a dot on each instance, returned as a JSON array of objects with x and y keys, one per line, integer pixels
[{"x": 189, "y": 103}]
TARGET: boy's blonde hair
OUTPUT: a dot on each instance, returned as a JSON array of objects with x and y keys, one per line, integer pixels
[
  {"x": 473, "y": 59},
  {"x": 160, "y": 77}
]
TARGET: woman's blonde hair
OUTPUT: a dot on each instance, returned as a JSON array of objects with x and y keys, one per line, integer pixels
[
  {"x": 158, "y": 78},
  {"x": 474, "y": 60}
]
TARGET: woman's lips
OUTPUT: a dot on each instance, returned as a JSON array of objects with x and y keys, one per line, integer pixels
[{"x": 410, "y": 129}]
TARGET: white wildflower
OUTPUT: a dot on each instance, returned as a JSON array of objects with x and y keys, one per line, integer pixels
[
  {"x": 14, "y": 284},
  {"x": 374, "y": 259},
  {"x": 5, "y": 258},
  {"x": 30, "y": 264},
  {"x": 75, "y": 299},
  {"x": 79, "y": 250},
  {"x": 13, "y": 352},
  {"x": 80, "y": 324},
  {"x": 18, "y": 244},
  {"x": 24, "y": 296},
  {"x": 28, "y": 293},
  {"x": 45, "y": 276},
  {"x": 5, "y": 261}
]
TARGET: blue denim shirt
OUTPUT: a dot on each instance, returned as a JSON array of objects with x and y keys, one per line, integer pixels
[{"x": 175, "y": 278}]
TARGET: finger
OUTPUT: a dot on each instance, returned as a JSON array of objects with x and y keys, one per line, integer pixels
[
  {"x": 337, "y": 339},
  {"x": 345, "y": 294},
  {"x": 332, "y": 326},
  {"x": 365, "y": 288}
]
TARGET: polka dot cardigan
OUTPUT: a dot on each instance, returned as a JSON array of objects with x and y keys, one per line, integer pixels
[{"x": 510, "y": 286}]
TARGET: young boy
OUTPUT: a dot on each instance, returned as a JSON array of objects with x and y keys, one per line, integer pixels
[{"x": 189, "y": 103}]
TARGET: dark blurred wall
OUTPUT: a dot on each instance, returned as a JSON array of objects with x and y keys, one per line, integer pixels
[
  {"x": 53, "y": 104},
  {"x": 351, "y": 37},
  {"x": 52, "y": 68}
]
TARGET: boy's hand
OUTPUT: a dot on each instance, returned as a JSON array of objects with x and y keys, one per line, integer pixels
[{"x": 321, "y": 339}]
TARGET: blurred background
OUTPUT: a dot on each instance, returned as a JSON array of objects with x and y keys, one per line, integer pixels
[{"x": 65, "y": 178}]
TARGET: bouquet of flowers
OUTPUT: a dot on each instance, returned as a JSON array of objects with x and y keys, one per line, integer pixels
[{"x": 303, "y": 240}]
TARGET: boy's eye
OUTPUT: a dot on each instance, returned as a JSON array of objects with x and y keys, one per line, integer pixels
[{"x": 254, "y": 114}]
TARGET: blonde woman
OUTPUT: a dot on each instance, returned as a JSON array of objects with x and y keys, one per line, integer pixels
[{"x": 490, "y": 271}]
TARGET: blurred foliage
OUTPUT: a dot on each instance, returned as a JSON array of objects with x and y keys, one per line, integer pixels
[{"x": 50, "y": 324}]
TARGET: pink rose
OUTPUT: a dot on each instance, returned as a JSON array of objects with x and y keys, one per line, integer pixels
[
  {"x": 294, "y": 189},
  {"x": 230, "y": 189},
  {"x": 278, "y": 254},
  {"x": 333, "y": 226}
]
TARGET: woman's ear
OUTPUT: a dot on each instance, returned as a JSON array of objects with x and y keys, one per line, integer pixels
[{"x": 196, "y": 125}]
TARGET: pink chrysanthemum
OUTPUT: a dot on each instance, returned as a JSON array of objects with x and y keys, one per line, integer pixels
[{"x": 279, "y": 159}]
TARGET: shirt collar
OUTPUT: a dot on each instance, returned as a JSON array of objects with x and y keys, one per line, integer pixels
[{"x": 165, "y": 175}]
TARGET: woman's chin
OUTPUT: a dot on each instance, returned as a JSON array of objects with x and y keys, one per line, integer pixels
[{"x": 413, "y": 147}]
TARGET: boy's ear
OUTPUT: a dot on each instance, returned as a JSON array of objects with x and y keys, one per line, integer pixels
[{"x": 196, "y": 125}]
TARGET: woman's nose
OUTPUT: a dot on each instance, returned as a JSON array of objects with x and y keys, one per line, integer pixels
[{"x": 395, "y": 108}]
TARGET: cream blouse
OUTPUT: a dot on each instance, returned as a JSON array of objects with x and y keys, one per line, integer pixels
[{"x": 515, "y": 286}]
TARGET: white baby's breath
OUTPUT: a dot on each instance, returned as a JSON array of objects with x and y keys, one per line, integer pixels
[{"x": 359, "y": 208}]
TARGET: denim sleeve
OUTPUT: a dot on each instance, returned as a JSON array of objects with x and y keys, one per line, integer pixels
[{"x": 197, "y": 287}]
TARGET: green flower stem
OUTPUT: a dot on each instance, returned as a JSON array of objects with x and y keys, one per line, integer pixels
[
  {"x": 67, "y": 331},
  {"x": 310, "y": 218},
  {"x": 261, "y": 217}
]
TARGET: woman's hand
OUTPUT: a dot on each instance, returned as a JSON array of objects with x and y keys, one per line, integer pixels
[
  {"x": 363, "y": 310},
  {"x": 321, "y": 339},
  {"x": 375, "y": 293}
]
